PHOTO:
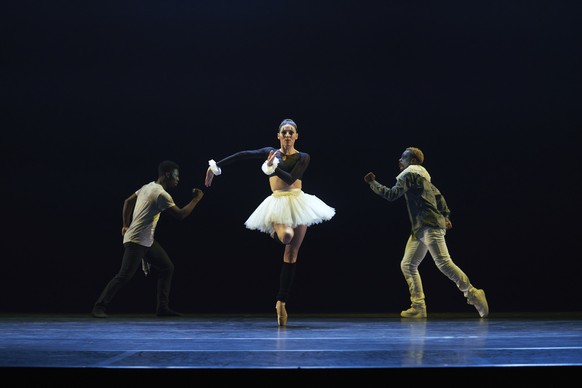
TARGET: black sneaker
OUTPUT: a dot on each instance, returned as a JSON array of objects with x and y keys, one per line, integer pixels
[
  {"x": 167, "y": 312},
  {"x": 98, "y": 313}
]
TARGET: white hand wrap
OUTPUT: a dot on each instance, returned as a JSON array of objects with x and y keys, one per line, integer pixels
[
  {"x": 215, "y": 169},
  {"x": 270, "y": 169}
]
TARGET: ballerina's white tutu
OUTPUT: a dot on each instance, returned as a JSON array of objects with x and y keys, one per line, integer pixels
[{"x": 289, "y": 207}]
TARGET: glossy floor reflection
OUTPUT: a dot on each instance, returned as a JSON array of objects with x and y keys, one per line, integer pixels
[{"x": 331, "y": 345}]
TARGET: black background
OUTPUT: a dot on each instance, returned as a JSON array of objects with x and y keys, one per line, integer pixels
[{"x": 95, "y": 94}]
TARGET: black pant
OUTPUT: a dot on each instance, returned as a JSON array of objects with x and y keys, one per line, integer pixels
[{"x": 131, "y": 262}]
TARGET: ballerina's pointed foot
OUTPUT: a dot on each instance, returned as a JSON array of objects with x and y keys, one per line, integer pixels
[{"x": 281, "y": 313}]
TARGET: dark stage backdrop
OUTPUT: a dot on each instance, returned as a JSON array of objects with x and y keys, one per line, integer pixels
[{"x": 96, "y": 93}]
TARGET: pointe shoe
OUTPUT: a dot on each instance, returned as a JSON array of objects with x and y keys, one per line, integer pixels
[{"x": 281, "y": 313}]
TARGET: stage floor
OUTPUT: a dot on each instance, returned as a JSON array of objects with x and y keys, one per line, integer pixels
[{"x": 310, "y": 346}]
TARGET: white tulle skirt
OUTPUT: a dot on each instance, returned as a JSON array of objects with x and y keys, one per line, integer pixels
[{"x": 291, "y": 208}]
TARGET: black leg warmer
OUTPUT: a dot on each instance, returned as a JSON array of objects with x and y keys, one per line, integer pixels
[{"x": 286, "y": 281}]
